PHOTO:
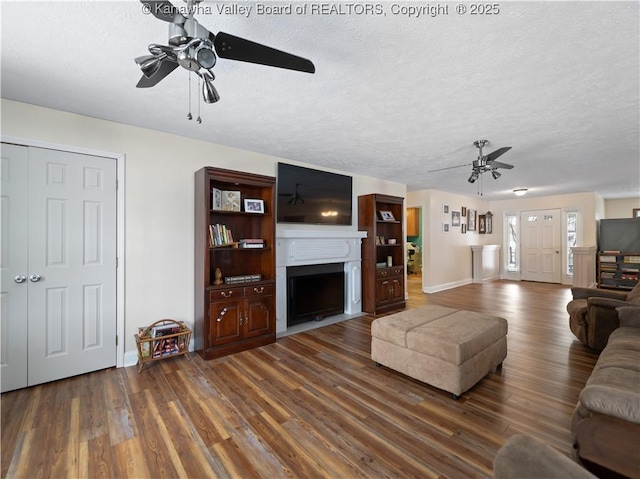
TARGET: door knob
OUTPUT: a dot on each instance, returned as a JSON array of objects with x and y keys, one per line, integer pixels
[
  {"x": 34, "y": 278},
  {"x": 19, "y": 279}
]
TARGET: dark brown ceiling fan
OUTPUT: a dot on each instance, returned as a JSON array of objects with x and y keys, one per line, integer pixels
[
  {"x": 196, "y": 49},
  {"x": 484, "y": 163}
]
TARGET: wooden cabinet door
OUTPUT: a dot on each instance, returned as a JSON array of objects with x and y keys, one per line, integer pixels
[
  {"x": 383, "y": 292},
  {"x": 225, "y": 317},
  {"x": 257, "y": 316},
  {"x": 397, "y": 289}
]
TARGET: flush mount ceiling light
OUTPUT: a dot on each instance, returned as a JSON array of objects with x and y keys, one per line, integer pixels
[{"x": 520, "y": 191}]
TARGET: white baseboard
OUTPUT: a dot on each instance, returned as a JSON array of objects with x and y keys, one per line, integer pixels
[
  {"x": 130, "y": 358},
  {"x": 445, "y": 286}
]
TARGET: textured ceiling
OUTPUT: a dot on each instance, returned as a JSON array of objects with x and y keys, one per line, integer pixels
[{"x": 392, "y": 97}]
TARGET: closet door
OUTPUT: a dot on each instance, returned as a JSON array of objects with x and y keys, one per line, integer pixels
[
  {"x": 13, "y": 258},
  {"x": 60, "y": 320}
]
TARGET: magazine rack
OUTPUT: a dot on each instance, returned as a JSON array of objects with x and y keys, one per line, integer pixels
[{"x": 163, "y": 339}]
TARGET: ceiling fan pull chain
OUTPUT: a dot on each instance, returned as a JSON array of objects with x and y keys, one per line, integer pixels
[
  {"x": 199, "y": 120},
  {"x": 189, "y": 117}
]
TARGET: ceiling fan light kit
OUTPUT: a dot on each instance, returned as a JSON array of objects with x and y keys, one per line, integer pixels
[
  {"x": 520, "y": 191},
  {"x": 196, "y": 49},
  {"x": 483, "y": 164}
]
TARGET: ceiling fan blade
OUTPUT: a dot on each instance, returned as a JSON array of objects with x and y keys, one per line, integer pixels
[
  {"x": 448, "y": 168},
  {"x": 497, "y": 164},
  {"x": 236, "y": 48},
  {"x": 167, "y": 67},
  {"x": 495, "y": 154},
  {"x": 162, "y": 10}
]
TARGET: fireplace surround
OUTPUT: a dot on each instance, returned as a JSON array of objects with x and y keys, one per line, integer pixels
[{"x": 300, "y": 247}]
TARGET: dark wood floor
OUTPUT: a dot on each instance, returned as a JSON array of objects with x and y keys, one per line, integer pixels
[{"x": 311, "y": 405}]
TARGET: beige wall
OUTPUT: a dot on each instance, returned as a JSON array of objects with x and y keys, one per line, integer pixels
[
  {"x": 620, "y": 208},
  {"x": 159, "y": 171},
  {"x": 446, "y": 257}
]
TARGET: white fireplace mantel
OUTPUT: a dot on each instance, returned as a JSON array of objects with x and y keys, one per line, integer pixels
[{"x": 322, "y": 246}]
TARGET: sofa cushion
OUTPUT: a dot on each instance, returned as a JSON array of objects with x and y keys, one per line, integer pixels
[
  {"x": 629, "y": 316},
  {"x": 525, "y": 457},
  {"x": 634, "y": 294},
  {"x": 613, "y": 392}
]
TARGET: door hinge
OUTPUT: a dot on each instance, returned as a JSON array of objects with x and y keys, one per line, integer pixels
[{"x": 116, "y": 339}]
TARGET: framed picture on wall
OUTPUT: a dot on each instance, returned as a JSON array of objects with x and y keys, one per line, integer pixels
[
  {"x": 445, "y": 227},
  {"x": 464, "y": 211},
  {"x": 445, "y": 209},
  {"x": 455, "y": 218},
  {"x": 636, "y": 213},
  {"x": 482, "y": 224},
  {"x": 463, "y": 228},
  {"x": 471, "y": 220},
  {"x": 489, "y": 223}
]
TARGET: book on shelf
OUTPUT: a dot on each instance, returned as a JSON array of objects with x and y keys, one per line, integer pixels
[
  {"x": 632, "y": 259},
  {"x": 607, "y": 259},
  {"x": 219, "y": 235},
  {"x": 610, "y": 251},
  {"x": 632, "y": 276},
  {"x": 242, "y": 278},
  {"x": 252, "y": 243}
]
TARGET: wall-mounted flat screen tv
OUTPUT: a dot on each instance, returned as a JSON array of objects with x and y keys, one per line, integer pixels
[{"x": 312, "y": 196}]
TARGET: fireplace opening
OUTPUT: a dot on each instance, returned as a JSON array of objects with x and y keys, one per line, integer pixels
[{"x": 314, "y": 292}]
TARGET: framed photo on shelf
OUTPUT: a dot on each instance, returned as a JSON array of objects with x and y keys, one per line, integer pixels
[
  {"x": 482, "y": 224},
  {"x": 471, "y": 220},
  {"x": 216, "y": 199},
  {"x": 455, "y": 218},
  {"x": 253, "y": 206},
  {"x": 231, "y": 200},
  {"x": 387, "y": 216},
  {"x": 445, "y": 227},
  {"x": 464, "y": 211}
]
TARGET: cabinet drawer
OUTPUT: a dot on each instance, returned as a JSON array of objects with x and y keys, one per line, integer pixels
[
  {"x": 261, "y": 289},
  {"x": 227, "y": 293},
  {"x": 388, "y": 272}
]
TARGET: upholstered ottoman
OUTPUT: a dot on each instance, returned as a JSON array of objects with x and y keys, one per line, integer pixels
[{"x": 444, "y": 347}]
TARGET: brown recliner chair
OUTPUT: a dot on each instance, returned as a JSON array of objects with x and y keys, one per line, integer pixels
[{"x": 593, "y": 315}]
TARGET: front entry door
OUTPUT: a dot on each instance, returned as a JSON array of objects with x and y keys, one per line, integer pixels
[
  {"x": 541, "y": 246},
  {"x": 70, "y": 268}
]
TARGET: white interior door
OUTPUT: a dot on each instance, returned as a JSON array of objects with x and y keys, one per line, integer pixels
[
  {"x": 71, "y": 265},
  {"x": 541, "y": 245},
  {"x": 13, "y": 258}
]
